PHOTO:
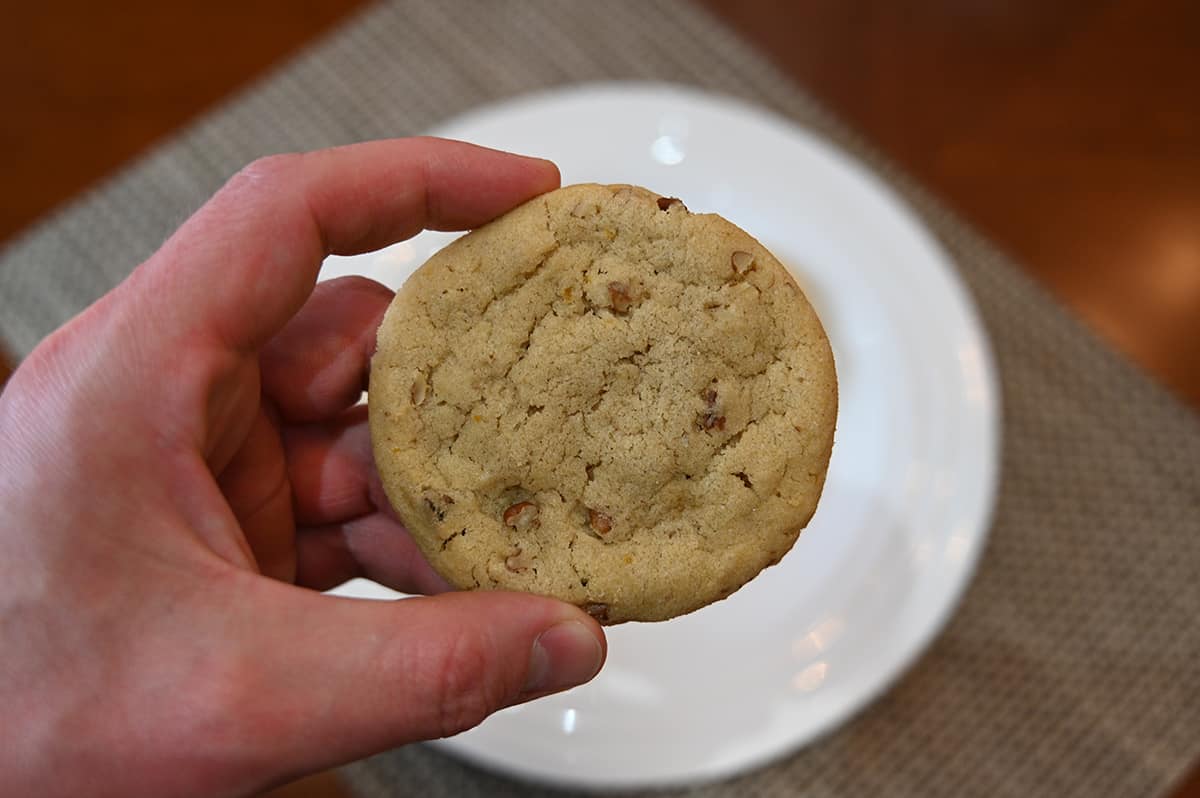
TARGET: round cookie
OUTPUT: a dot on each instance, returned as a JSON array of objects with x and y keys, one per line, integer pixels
[{"x": 604, "y": 398}]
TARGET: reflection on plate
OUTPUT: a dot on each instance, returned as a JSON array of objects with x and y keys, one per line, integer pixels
[{"x": 911, "y": 483}]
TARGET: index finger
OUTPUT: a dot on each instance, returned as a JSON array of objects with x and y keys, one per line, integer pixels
[{"x": 246, "y": 261}]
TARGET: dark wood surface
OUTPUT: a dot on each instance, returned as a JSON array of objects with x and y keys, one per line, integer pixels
[{"x": 1068, "y": 131}]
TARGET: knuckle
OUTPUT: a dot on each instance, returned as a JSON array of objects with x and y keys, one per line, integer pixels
[
  {"x": 464, "y": 690},
  {"x": 270, "y": 167},
  {"x": 263, "y": 174}
]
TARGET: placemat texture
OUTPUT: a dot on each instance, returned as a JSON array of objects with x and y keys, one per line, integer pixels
[{"x": 1071, "y": 667}]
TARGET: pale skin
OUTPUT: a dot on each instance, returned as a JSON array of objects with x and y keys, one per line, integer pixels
[{"x": 182, "y": 469}]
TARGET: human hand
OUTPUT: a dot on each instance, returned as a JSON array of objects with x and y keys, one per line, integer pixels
[{"x": 179, "y": 454}]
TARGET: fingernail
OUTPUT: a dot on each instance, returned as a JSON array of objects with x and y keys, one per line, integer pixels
[{"x": 565, "y": 655}]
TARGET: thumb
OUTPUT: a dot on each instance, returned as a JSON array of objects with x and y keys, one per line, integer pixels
[{"x": 338, "y": 679}]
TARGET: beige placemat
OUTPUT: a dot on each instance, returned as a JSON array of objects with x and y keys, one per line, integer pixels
[{"x": 1073, "y": 666}]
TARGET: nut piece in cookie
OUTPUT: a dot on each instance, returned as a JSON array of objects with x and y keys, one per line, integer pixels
[
  {"x": 711, "y": 417},
  {"x": 522, "y": 516},
  {"x": 600, "y": 523},
  {"x": 742, "y": 263}
]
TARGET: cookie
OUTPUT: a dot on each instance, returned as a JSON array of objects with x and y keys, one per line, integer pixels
[{"x": 604, "y": 398}]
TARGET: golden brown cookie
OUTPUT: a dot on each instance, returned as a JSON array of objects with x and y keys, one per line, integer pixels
[{"x": 605, "y": 398}]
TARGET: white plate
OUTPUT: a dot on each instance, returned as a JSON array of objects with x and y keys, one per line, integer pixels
[{"x": 911, "y": 484}]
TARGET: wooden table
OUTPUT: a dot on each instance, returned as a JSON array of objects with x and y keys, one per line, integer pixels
[{"x": 1069, "y": 131}]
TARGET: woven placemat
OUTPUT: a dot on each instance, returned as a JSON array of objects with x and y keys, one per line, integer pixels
[{"x": 1071, "y": 667}]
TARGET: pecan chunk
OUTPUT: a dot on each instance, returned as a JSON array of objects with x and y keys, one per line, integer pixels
[
  {"x": 597, "y": 610},
  {"x": 742, "y": 263},
  {"x": 711, "y": 418},
  {"x": 620, "y": 296},
  {"x": 522, "y": 516},
  {"x": 601, "y": 523}
]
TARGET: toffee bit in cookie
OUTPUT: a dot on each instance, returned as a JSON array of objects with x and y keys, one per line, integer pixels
[
  {"x": 522, "y": 516},
  {"x": 745, "y": 479},
  {"x": 620, "y": 297},
  {"x": 711, "y": 418},
  {"x": 742, "y": 262},
  {"x": 667, "y": 203},
  {"x": 601, "y": 523},
  {"x": 597, "y": 610}
]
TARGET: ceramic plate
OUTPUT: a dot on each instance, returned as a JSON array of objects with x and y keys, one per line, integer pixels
[{"x": 910, "y": 489}]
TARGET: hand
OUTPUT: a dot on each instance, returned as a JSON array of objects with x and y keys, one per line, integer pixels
[{"x": 178, "y": 455}]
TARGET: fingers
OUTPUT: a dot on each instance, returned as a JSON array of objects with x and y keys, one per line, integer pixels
[
  {"x": 374, "y": 546},
  {"x": 330, "y": 468},
  {"x": 346, "y": 526},
  {"x": 245, "y": 262},
  {"x": 255, "y": 485},
  {"x": 367, "y": 676},
  {"x": 324, "y": 559},
  {"x": 318, "y": 363}
]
